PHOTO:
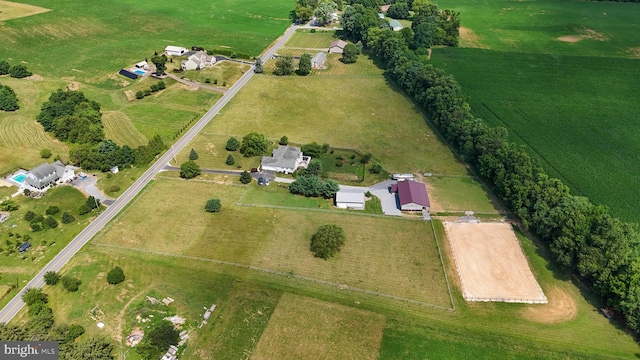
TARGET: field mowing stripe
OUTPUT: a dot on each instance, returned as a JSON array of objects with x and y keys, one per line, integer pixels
[
  {"x": 444, "y": 269},
  {"x": 288, "y": 275}
]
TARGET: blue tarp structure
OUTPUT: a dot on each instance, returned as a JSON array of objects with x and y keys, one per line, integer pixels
[{"x": 128, "y": 74}]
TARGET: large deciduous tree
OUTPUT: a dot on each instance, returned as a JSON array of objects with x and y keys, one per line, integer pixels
[
  {"x": 189, "y": 170},
  {"x": 213, "y": 205},
  {"x": 350, "y": 54},
  {"x": 304, "y": 65},
  {"x": 327, "y": 241},
  {"x": 357, "y": 20},
  {"x": 253, "y": 144},
  {"x": 160, "y": 62},
  {"x": 324, "y": 10},
  {"x": 284, "y": 66}
]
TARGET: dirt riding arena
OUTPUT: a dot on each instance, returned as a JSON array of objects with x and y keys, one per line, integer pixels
[{"x": 491, "y": 264}]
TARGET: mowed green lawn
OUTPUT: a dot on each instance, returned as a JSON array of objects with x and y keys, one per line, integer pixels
[
  {"x": 82, "y": 36},
  {"x": 391, "y": 256},
  {"x": 45, "y": 243},
  {"x": 578, "y": 115},
  {"x": 304, "y": 328},
  {"x": 600, "y": 28},
  {"x": 333, "y": 110}
]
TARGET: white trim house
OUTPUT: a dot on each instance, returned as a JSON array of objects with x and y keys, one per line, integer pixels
[
  {"x": 43, "y": 176},
  {"x": 197, "y": 61},
  {"x": 285, "y": 159}
]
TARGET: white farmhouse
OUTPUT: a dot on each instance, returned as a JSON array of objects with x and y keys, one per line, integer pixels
[
  {"x": 175, "y": 50},
  {"x": 45, "y": 175},
  {"x": 285, "y": 159},
  {"x": 199, "y": 60}
]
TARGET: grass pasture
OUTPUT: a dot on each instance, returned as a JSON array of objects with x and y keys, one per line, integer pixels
[
  {"x": 12, "y": 10},
  {"x": 457, "y": 194},
  {"x": 46, "y": 243},
  {"x": 332, "y": 110},
  {"x": 278, "y": 239},
  {"x": 275, "y": 195},
  {"x": 224, "y": 72},
  {"x": 305, "y": 328},
  {"x": 578, "y": 115},
  {"x": 308, "y": 40}
]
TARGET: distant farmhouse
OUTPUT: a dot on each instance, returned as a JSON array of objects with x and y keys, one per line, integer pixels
[
  {"x": 350, "y": 200},
  {"x": 337, "y": 47},
  {"x": 40, "y": 178},
  {"x": 199, "y": 60},
  {"x": 395, "y": 25},
  {"x": 317, "y": 62},
  {"x": 412, "y": 195},
  {"x": 175, "y": 50},
  {"x": 285, "y": 159}
]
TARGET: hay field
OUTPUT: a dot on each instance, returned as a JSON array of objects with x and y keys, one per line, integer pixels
[
  {"x": 305, "y": 328},
  {"x": 391, "y": 256},
  {"x": 119, "y": 128},
  {"x": 333, "y": 110},
  {"x": 13, "y": 10}
]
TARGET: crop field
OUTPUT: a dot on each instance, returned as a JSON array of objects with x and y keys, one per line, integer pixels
[
  {"x": 383, "y": 123},
  {"x": 278, "y": 239},
  {"x": 550, "y": 27},
  {"x": 571, "y": 113},
  {"x": 304, "y": 328},
  {"x": 243, "y": 26}
]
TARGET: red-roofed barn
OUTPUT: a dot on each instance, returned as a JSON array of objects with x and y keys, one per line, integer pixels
[{"x": 413, "y": 196}]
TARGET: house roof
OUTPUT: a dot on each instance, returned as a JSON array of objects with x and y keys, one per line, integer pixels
[
  {"x": 410, "y": 191},
  {"x": 45, "y": 174},
  {"x": 283, "y": 156},
  {"x": 338, "y": 43},
  {"x": 201, "y": 56},
  {"x": 319, "y": 58},
  {"x": 395, "y": 24},
  {"x": 175, "y": 48},
  {"x": 350, "y": 197}
]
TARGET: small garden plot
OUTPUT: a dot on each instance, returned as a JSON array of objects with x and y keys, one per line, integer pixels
[
  {"x": 491, "y": 264},
  {"x": 305, "y": 328}
]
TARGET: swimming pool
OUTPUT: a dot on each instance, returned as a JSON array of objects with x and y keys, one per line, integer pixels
[
  {"x": 139, "y": 72},
  {"x": 19, "y": 178}
]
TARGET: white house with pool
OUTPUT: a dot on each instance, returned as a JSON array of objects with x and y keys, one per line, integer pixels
[{"x": 42, "y": 177}]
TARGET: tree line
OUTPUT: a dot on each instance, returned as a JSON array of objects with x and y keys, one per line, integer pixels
[
  {"x": 582, "y": 237},
  {"x": 74, "y": 119}
]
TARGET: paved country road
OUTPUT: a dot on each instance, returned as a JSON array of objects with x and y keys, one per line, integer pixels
[{"x": 14, "y": 306}]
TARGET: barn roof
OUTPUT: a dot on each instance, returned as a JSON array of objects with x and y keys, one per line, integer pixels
[{"x": 410, "y": 191}]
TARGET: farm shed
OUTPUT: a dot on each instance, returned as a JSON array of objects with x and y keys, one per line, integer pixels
[
  {"x": 317, "y": 62},
  {"x": 337, "y": 47},
  {"x": 413, "y": 196},
  {"x": 142, "y": 65},
  {"x": 175, "y": 50},
  {"x": 350, "y": 200}
]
